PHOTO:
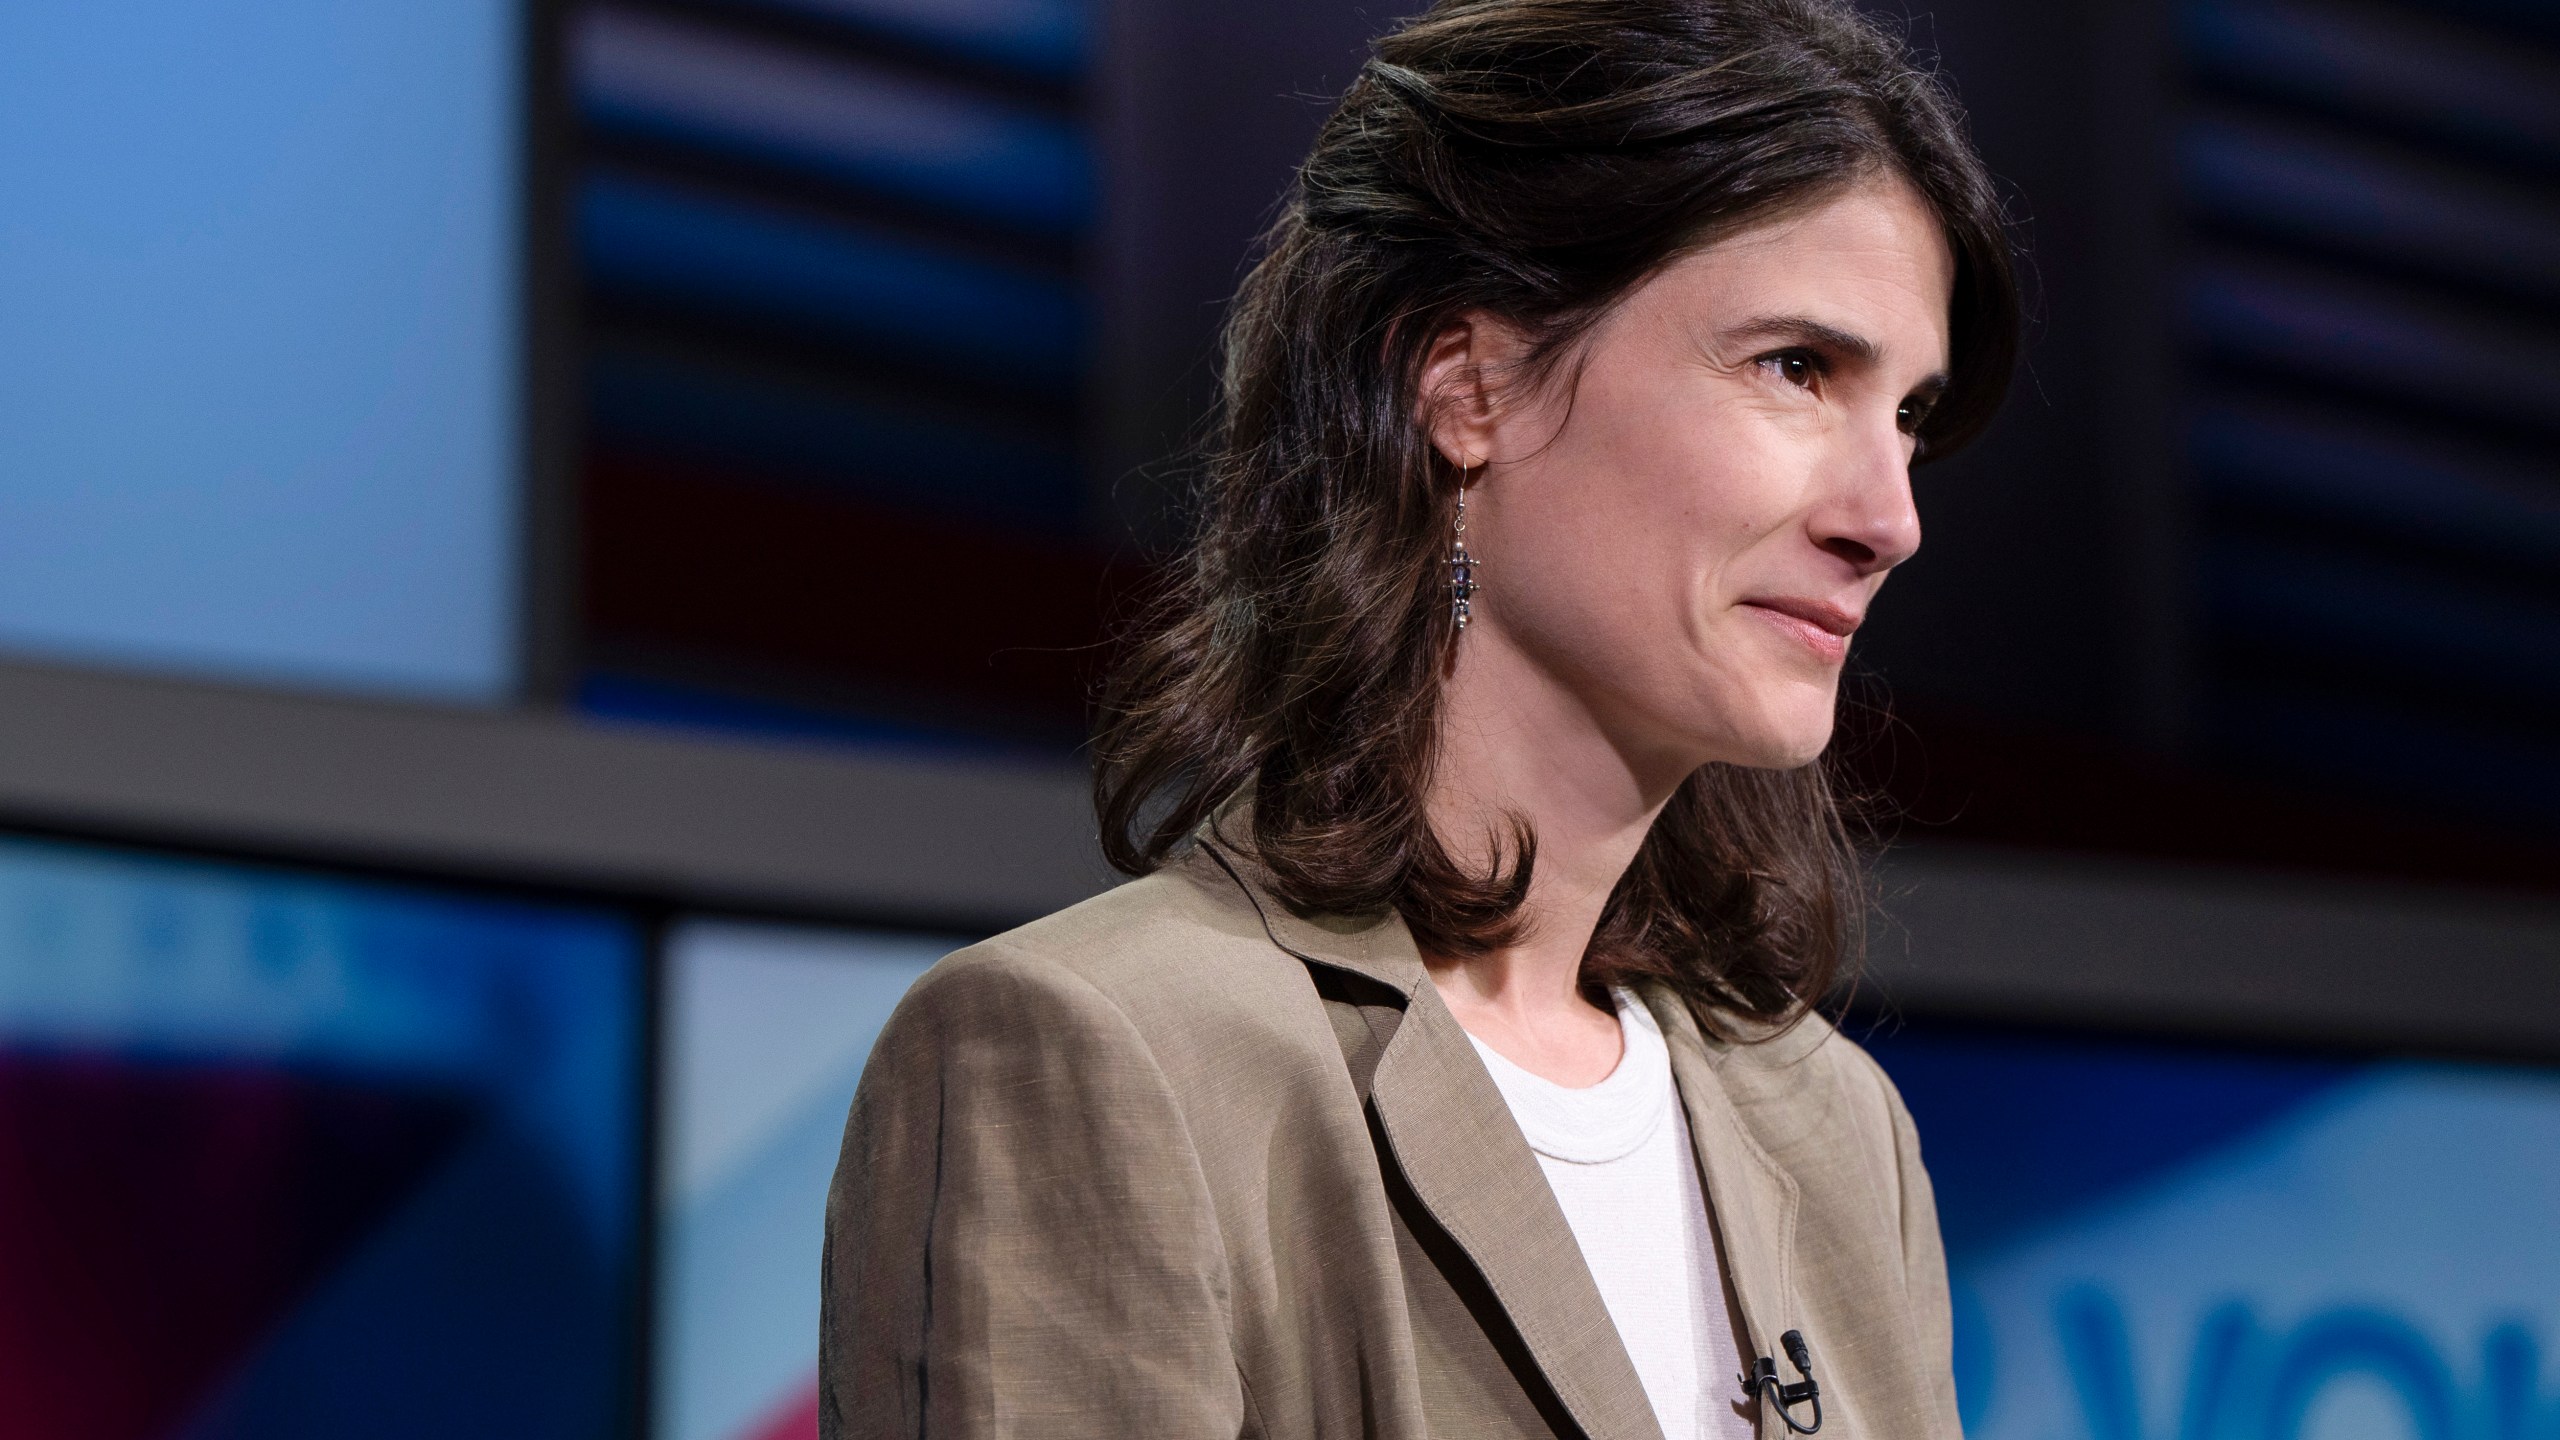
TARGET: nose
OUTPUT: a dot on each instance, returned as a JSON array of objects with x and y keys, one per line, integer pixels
[{"x": 1869, "y": 518}]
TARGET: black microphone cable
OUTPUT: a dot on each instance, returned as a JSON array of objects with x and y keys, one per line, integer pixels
[{"x": 1763, "y": 1382}]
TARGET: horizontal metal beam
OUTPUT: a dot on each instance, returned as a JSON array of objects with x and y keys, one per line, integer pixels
[
  {"x": 545, "y": 799},
  {"x": 2125, "y": 944}
]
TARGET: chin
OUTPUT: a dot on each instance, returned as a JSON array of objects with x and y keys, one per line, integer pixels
[
  {"x": 1783, "y": 740},
  {"x": 1792, "y": 754}
]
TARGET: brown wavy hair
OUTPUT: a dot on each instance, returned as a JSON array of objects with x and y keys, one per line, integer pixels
[{"x": 1533, "y": 160}]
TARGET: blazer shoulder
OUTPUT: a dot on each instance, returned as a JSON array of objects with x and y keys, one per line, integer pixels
[
  {"x": 1811, "y": 1079},
  {"x": 1865, "y": 1087},
  {"x": 1186, "y": 920},
  {"x": 1810, "y": 1047},
  {"x": 1180, "y": 954}
]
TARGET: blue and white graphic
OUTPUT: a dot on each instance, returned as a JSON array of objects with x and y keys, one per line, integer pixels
[
  {"x": 275, "y": 1146},
  {"x": 2155, "y": 1243},
  {"x": 767, "y": 1032}
]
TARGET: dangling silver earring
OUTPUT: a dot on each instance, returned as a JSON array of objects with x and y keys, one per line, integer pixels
[{"x": 1462, "y": 566}]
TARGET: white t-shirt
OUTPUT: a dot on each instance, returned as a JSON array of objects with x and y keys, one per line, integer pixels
[{"x": 1618, "y": 1157}]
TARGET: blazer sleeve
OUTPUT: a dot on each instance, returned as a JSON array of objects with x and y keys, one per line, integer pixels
[
  {"x": 1020, "y": 1241},
  {"x": 1924, "y": 1259}
]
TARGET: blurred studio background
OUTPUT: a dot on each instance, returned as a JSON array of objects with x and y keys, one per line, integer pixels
[{"x": 550, "y": 556}]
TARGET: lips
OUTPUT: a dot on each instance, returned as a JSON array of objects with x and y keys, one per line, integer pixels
[
  {"x": 1820, "y": 626},
  {"x": 1821, "y": 614}
]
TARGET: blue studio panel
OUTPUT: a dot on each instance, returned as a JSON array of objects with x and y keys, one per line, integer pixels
[
  {"x": 287, "y": 1156},
  {"x": 2162, "y": 1242},
  {"x": 259, "y": 330}
]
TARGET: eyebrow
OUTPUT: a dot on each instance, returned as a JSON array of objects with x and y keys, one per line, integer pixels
[
  {"x": 1814, "y": 334},
  {"x": 1806, "y": 330}
]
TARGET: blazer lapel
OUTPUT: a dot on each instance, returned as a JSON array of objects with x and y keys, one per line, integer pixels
[
  {"x": 1463, "y": 1154},
  {"x": 1453, "y": 1139},
  {"x": 1752, "y": 1201}
]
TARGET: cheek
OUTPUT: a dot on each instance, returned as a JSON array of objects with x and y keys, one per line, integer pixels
[
  {"x": 1603, "y": 532},
  {"x": 1689, "y": 503},
  {"x": 1631, "y": 543}
]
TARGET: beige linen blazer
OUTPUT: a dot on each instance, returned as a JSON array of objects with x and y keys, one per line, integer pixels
[{"x": 1177, "y": 1162}]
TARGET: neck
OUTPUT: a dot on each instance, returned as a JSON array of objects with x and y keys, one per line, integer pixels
[{"x": 1516, "y": 742}]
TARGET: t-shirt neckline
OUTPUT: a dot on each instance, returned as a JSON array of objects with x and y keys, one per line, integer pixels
[{"x": 1598, "y": 1123}]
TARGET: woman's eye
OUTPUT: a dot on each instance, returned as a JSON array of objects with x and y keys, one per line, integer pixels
[
  {"x": 1912, "y": 414},
  {"x": 1796, "y": 367}
]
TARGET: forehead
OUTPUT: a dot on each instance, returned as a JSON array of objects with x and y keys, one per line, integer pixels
[{"x": 1870, "y": 259}]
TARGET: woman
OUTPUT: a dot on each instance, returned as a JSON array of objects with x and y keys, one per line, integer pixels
[{"x": 1450, "y": 1070}]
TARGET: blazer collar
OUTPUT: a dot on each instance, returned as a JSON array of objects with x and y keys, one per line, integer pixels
[
  {"x": 1452, "y": 1138},
  {"x": 1376, "y": 947}
]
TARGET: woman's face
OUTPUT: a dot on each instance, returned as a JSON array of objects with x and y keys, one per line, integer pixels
[{"x": 1680, "y": 532}]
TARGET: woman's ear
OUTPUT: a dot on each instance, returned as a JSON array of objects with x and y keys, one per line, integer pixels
[{"x": 1455, "y": 400}]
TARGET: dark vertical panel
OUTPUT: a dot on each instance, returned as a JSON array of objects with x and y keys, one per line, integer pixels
[
  {"x": 2035, "y": 594},
  {"x": 1205, "y": 111},
  {"x": 2369, "y": 319},
  {"x": 549, "y": 626}
]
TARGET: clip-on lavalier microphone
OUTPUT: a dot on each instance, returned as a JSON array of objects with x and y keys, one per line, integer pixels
[{"x": 1763, "y": 1382}]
